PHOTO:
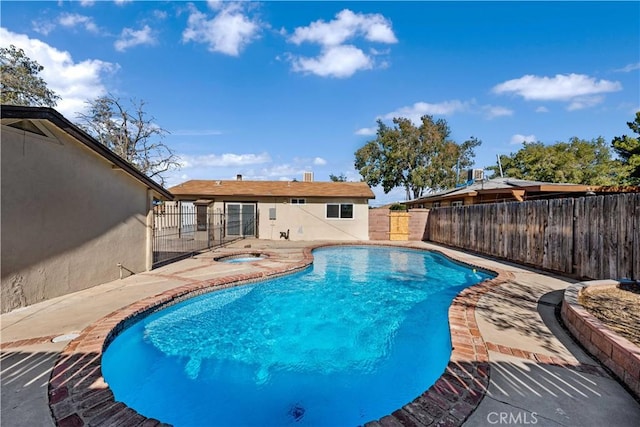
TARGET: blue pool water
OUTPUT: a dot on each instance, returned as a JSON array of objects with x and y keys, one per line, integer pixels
[{"x": 356, "y": 336}]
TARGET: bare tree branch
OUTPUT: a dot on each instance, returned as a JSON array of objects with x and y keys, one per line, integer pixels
[{"x": 132, "y": 136}]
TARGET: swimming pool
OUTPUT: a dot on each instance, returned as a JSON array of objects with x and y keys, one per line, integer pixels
[{"x": 351, "y": 339}]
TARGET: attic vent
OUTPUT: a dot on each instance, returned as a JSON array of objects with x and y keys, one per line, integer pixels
[
  {"x": 27, "y": 126},
  {"x": 307, "y": 177},
  {"x": 474, "y": 175}
]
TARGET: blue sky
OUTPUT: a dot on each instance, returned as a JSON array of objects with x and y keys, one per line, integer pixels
[{"x": 271, "y": 89}]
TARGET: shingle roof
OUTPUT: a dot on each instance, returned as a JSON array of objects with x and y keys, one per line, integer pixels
[{"x": 212, "y": 188}]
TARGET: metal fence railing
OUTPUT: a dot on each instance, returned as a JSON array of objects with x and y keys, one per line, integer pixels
[{"x": 181, "y": 229}]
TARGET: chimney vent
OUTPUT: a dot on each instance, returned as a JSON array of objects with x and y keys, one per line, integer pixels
[
  {"x": 307, "y": 177},
  {"x": 238, "y": 177}
]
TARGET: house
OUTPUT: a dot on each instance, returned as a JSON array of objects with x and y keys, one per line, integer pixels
[
  {"x": 74, "y": 214},
  {"x": 500, "y": 190},
  {"x": 274, "y": 210}
]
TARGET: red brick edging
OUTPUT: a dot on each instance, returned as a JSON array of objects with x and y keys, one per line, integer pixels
[
  {"x": 614, "y": 351},
  {"x": 79, "y": 396},
  {"x": 27, "y": 342}
]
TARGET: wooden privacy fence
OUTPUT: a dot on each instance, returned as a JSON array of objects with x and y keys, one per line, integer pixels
[{"x": 595, "y": 237}]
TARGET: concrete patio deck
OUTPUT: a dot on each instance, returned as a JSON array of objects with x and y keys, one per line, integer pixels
[{"x": 523, "y": 367}]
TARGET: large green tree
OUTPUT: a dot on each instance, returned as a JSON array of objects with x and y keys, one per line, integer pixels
[
  {"x": 20, "y": 83},
  {"x": 628, "y": 149},
  {"x": 418, "y": 158},
  {"x": 131, "y": 134},
  {"x": 578, "y": 162}
]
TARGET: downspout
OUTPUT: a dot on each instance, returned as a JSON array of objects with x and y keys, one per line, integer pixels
[{"x": 149, "y": 230}]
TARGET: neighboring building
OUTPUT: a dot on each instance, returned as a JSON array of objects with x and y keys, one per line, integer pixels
[
  {"x": 74, "y": 214},
  {"x": 501, "y": 190},
  {"x": 284, "y": 209}
]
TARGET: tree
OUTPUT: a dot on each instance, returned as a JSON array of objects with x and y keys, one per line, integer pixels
[
  {"x": 338, "y": 178},
  {"x": 131, "y": 135},
  {"x": 628, "y": 149},
  {"x": 578, "y": 162},
  {"x": 20, "y": 84},
  {"x": 416, "y": 158}
]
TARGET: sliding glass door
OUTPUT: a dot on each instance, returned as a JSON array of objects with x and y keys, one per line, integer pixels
[{"x": 241, "y": 219}]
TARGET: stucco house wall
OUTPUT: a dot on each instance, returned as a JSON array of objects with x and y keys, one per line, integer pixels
[
  {"x": 69, "y": 217},
  {"x": 297, "y": 207},
  {"x": 307, "y": 221}
]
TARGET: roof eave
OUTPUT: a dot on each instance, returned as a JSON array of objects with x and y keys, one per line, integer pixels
[{"x": 53, "y": 116}]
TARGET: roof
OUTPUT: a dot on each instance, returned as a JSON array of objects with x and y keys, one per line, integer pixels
[
  {"x": 36, "y": 114},
  {"x": 212, "y": 188},
  {"x": 497, "y": 185}
]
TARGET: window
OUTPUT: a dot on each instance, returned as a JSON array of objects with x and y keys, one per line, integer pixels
[
  {"x": 298, "y": 201},
  {"x": 342, "y": 210},
  {"x": 457, "y": 203},
  {"x": 435, "y": 204}
]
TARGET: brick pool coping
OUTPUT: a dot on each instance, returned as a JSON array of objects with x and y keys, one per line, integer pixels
[
  {"x": 612, "y": 350},
  {"x": 79, "y": 396}
]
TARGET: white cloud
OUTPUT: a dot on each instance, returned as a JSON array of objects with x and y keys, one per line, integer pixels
[
  {"x": 345, "y": 26},
  {"x": 72, "y": 20},
  {"x": 67, "y": 20},
  {"x": 215, "y": 4},
  {"x": 223, "y": 160},
  {"x": 416, "y": 111},
  {"x": 43, "y": 27},
  {"x": 319, "y": 161},
  {"x": 578, "y": 89},
  {"x": 74, "y": 82},
  {"x": 284, "y": 172},
  {"x": 629, "y": 67},
  {"x": 130, "y": 38},
  {"x": 160, "y": 14},
  {"x": 228, "y": 32},
  {"x": 491, "y": 112},
  {"x": 367, "y": 131},
  {"x": 582, "y": 102},
  {"x": 542, "y": 110},
  {"x": 334, "y": 61},
  {"x": 87, "y": 3},
  {"x": 519, "y": 139},
  {"x": 336, "y": 58}
]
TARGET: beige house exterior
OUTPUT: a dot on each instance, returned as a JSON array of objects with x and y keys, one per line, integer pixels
[
  {"x": 74, "y": 214},
  {"x": 290, "y": 210}
]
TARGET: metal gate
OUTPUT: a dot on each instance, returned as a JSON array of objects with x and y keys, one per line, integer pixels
[{"x": 181, "y": 229}]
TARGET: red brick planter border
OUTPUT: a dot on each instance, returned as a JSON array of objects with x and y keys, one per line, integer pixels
[
  {"x": 615, "y": 352},
  {"x": 79, "y": 396}
]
